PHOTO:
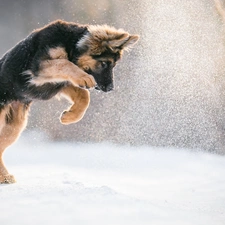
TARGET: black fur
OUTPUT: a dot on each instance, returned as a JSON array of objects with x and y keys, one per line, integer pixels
[{"x": 28, "y": 53}]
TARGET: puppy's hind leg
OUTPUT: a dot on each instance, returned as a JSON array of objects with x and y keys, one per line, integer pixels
[
  {"x": 13, "y": 119},
  {"x": 80, "y": 99}
]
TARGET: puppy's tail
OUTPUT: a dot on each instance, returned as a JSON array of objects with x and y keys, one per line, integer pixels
[{"x": 220, "y": 8}]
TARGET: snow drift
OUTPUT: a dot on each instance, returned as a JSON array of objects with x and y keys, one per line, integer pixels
[{"x": 72, "y": 183}]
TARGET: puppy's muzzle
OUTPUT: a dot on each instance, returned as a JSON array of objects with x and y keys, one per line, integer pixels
[{"x": 105, "y": 88}]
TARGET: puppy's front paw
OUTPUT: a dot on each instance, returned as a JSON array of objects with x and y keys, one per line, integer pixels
[
  {"x": 86, "y": 81},
  {"x": 68, "y": 117},
  {"x": 7, "y": 179}
]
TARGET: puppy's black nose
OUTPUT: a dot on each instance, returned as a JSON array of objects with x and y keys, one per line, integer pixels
[{"x": 105, "y": 88}]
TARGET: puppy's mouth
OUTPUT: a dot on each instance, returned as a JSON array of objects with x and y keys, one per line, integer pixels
[{"x": 97, "y": 88}]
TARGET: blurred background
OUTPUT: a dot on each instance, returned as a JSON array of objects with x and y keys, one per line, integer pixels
[{"x": 170, "y": 88}]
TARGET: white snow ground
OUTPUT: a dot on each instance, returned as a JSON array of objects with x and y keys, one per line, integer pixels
[{"x": 105, "y": 184}]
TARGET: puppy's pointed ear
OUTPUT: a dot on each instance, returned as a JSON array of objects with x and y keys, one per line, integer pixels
[
  {"x": 118, "y": 40},
  {"x": 125, "y": 41},
  {"x": 102, "y": 38},
  {"x": 130, "y": 42}
]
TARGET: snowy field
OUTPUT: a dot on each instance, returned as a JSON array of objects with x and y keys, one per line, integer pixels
[{"x": 105, "y": 184}]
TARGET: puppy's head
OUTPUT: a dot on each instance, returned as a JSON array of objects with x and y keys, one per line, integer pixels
[{"x": 100, "y": 49}]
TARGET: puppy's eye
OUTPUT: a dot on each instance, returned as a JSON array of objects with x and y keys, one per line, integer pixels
[{"x": 104, "y": 64}]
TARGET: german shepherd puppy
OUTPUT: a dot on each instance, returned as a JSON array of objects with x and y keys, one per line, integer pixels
[{"x": 60, "y": 58}]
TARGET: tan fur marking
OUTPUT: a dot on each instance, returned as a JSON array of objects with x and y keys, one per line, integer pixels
[
  {"x": 80, "y": 99},
  {"x": 86, "y": 62},
  {"x": 58, "y": 53},
  {"x": 60, "y": 70},
  {"x": 2, "y": 118},
  {"x": 9, "y": 133}
]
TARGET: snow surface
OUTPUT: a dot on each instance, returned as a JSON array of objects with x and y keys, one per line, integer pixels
[{"x": 72, "y": 183}]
